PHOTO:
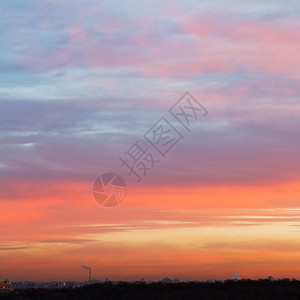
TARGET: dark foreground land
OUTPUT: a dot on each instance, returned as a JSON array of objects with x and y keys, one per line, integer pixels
[{"x": 230, "y": 290}]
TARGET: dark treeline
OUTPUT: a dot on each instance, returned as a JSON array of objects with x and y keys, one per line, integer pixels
[{"x": 230, "y": 290}]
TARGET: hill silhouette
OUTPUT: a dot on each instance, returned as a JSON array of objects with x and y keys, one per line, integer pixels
[{"x": 229, "y": 290}]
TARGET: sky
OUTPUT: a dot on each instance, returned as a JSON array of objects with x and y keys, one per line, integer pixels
[{"x": 82, "y": 81}]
